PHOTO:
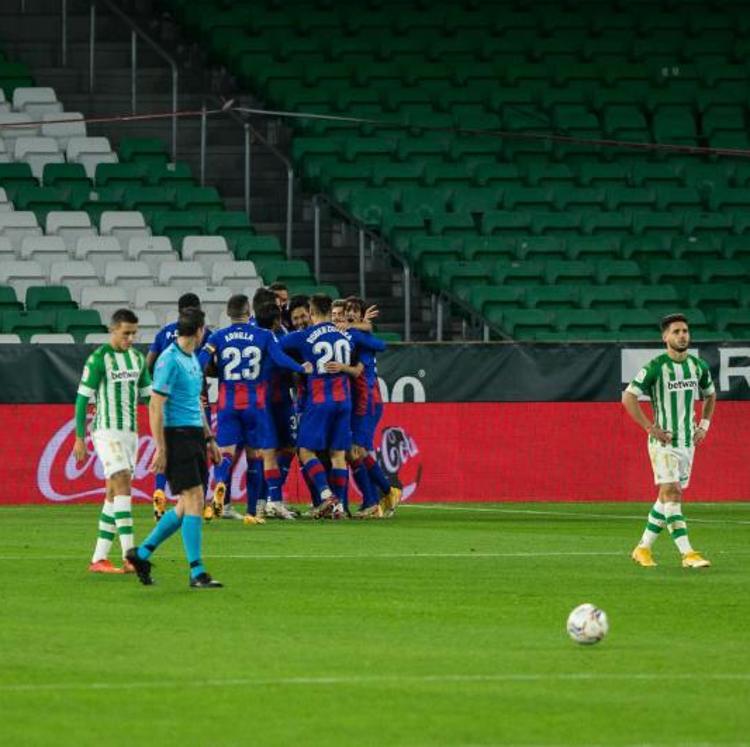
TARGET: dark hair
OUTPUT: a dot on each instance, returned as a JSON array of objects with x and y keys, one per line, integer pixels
[
  {"x": 355, "y": 302},
  {"x": 238, "y": 305},
  {"x": 262, "y": 296},
  {"x": 338, "y": 302},
  {"x": 267, "y": 315},
  {"x": 123, "y": 316},
  {"x": 190, "y": 321},
  {"x": 671, "y": 319},
  {"x": 321, "y": 304},
  {"x": 188, "y": 301},
  {"x": 278, "y": 287},
  {"x": 295, "y": 302}
]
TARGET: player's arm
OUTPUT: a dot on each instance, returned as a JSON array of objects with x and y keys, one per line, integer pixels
[
  {"x": 213, "y": 450},
  {"x": 353, "y": 371},
  {"x": 708, "y": 392},
  {"x": 144, "y": 384},
  {"x": 282, "y": 360},
  {"x": 638, "y": 386},
  {"x": 90, "y": 378},
  {"x": 164, "y": 373},
  {"x": 367, "y": 341}
]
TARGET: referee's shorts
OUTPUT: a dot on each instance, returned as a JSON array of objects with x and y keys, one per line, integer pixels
[{"x": 187, "y": 460}]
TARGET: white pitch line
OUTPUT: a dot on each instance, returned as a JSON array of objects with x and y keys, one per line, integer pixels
[
  {"x": 566, "y": 514},
  {"x": 427, "y": 679}
]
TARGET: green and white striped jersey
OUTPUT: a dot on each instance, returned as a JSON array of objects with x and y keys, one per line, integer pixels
[
  {"x": 674, "y": 388},
  {"x": 117, "y": 379}
]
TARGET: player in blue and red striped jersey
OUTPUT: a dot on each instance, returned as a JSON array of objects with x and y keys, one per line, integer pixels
[
  {"x": 163, "y": 339},
  {"x": 326, "y": 419},
  {"x": 245, "y": 357},
  {"x": 367, "y": 410}
]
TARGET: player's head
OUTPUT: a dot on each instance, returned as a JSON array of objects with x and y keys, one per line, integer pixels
[
  {"x": 320, "y": 307},
  {"x": 299, "y": 311},
  {"x": 675, "y": 332},
  {"x": 268, "y": 316},
  {"x": 188, "y": 301},
  {"x": 191, "y": 323},
  {"x": 281, "y": 292},
  {"x": 123, "y": 327},
  {"x": 355, "y": 309},
  {"x": 262, "y": 296},
  {"x": 238, "y": 307},
  {"x": 338, "y": 311}
]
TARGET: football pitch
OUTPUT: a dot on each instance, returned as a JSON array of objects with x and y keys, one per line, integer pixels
[{"x": 443, "y": 626}]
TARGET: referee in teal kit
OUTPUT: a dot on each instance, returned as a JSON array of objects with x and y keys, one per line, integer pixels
[{"x": 182, "y": 438}]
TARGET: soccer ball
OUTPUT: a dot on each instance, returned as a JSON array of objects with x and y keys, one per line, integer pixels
[{"x": 587, "y": 624}]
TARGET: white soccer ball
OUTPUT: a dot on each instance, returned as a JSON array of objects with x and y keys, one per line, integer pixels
[{"x": 587, "y": 624}]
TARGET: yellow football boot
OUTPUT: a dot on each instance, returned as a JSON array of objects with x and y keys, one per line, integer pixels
[
  {"x": 217, "y": 502},
  {"x": 208, "y": 512},
  {"x": 251, "y": 520},
  {"x": 694, "y": 559},
  {"x": 159, "y": 500},
  {"x": 643, "y": 556}
]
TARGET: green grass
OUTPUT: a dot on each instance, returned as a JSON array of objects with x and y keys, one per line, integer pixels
[{"x": 444, "y": 626}]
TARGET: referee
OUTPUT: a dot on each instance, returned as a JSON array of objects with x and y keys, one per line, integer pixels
[{"x": 182, "y": 436}]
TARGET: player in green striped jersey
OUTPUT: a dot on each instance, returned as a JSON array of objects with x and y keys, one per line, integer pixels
[
  {"x": 115, "y": 375},
  {"x": 673, "y": 380}
]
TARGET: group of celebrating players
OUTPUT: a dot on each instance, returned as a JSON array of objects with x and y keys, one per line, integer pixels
[{"x": 296, "y": 377}]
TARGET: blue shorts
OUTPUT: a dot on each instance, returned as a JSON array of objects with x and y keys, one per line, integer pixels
[
  {"x": 285, "y": 421},
  {"x": 364, "y": 426},
  {"x": 326, "y": 426},
  {"x": 253, "y": 428}
]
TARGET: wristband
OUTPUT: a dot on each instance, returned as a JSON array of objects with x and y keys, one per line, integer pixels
[{"x": 704, "y": 425}]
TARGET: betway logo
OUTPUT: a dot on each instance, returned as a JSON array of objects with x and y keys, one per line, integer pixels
[
  {"x": 675, "y": 386},
  {"x": 124, "y": 375}
]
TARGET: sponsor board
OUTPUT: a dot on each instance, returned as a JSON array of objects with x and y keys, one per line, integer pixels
[{"x": 436, "y": 452}]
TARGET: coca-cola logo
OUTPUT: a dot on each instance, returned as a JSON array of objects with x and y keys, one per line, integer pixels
[
  {"x": 399, "y": 458},
  {"x": 60, "y": 478}
]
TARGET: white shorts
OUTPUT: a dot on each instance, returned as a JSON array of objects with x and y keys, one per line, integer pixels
[
  {"x": 671, "y": 464},
  {"x": 117, "y": 450}
]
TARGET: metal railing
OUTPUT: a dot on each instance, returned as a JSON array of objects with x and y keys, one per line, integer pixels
[
  {"x": 376, "y": 241},
  {"x": 251, "y": 134},
  {"x": 135, "y": 33}
]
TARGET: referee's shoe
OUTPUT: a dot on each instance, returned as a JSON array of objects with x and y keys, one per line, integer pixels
[
  {"x": 204, "y": 581},
  {"x": 142, "y": 567}
]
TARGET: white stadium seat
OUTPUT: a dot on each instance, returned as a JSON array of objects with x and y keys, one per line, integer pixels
[
  {"x": 37, "y": 152},
  {"x": 7, "y": 252},
  {"x": 181, "y": 274},
  {"x": 75, "y": 274},
  {"x": 105, "y": 299},
  {"x": 213, "y": 301},
  {"x": 16, "y": 224},
  {"x": 90, "y": 152},
  {"x": 125, "y": 274},
  {"x": 4, "y": 155},
  {"x": 161, "y": 300},
  {"x": 234, "y": 274},
  {"x": 44, "y": 249},
  {"x": 22, "y": 275},
  {"x": 9, "y": 339},
  {"x": 207, "y": 250},
  {"x": 250, "y": 288},
  {"x": 52, "y": 338},
  {"x": 62, "y": 131},
  {"x": 151, "y": 249},
  {"x": 98, "y": 338},
  {"x": 70, "y": 226},
  {"x": 20, "y": 127},
  {"x": 4, "y": 105},
  {"x": 148, "y": 322},
  {"x": 123, "y": 224},
  {"x": 36, "y": 101},
  {"x": 99, "y": 250},
  {"x": 5, "y": 204}
]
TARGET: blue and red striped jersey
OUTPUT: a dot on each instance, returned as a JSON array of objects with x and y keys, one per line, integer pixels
[
  {"x": 366, "y": 390},
  {"x": 247, "y": 358}
]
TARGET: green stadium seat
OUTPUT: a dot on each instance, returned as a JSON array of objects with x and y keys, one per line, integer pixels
[
  {"x": 559, "y": 224},
  {"x": 606, "y": 297},
  {"x": 654, "y": 175},
  {"x": 674, "y": 124},
  {"x": 518, "y": 273},
  {"x": 100, "y": 200},
  {"x": 255, "y": 247},
  {"x": 606, "y": 224},
  {"x": 388, "y": 337},
  {"x": 477, "y": 199},
  {"x": 311, "y": 289},
  {"x": 496, "y": 174},
  {"x": 148, "y": 199},
  {"x": 672, "y": 271},
  {"x": 569, "y": 272},
  {"x": 525, "y": 324},
  {"x": 121, "y": 174},
  {"x": 8, "y": 300},
  {"x": 14, "y": 176},
  {"x": 489, "y": 248},
  {"x": 177, "y": 224},
  {"x": 426, "y": 200},
  {"x": 429, "y": 252},
  {"x": 168, "y": 174},
  {"x": 198, "y": 198},
  {"x": 630, "y": 198},
  {"x": 41, "y": 200},
  {"x": 618, "y": 272},
  {"x": 603, "y": 174},
  {"x": 79, "y": 323},
  {"x": 49, "y": 298},
  {"x": 579, "y": 323},
  {"x": 462, "y": 277},
  {"x": 143, "y": 150},
  {"x": 634, "y": 324},
  {"x": 734, "y": 321},
  {"x": 552, "y": 296},
  {"x": 712, "y": 296},
  {"x": 580, "y": 198},
  {"x": 390, "y": 174},
  {"x": 653, "y": 223},
  {"x": 693, "y": 248},
  {"x": 699, "y": 224},
  {"x": 491, "y": 299},
  {"x": 528, "y": 198},
  {"x": 657, "y": 300},
  {"x": 231, "y": 224},
  {"x": 27, "y": 323},
  {"x": 729, "y": 199},
  {"x": 542, "y": 248},
  {"x": 701, "y": 175},
  {"x": 448, "y": 224},
  {"x": 593, "y": 247},
  {"x": 65, "y": 176},
  {"x": 506, "y": 223},
  {"x": 549, "y": 175},
  {"x": 646, "y": 248},
  {"x": 293, "y": 272},
  {"x": 723, "y": 270},
  {"x": 625, "y": 122},
  {"x": 14, "y": 75},
  {"x": 737, "y": 247}
]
